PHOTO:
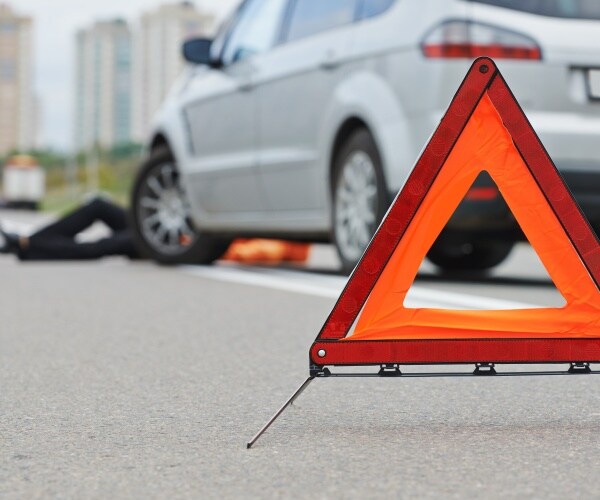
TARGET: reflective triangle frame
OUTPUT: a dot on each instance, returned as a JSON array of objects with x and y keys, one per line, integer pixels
[{"x": 329, "y": 348}]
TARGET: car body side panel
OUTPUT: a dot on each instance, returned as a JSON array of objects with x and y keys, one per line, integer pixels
[
  {"x": 295, "y": 86},
  {"x": 223, "y": 170},
  {"x": 389, "y": 89},
  {"x": 370, "y": 98}
]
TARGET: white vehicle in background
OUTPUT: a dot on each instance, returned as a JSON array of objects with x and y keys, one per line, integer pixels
[
  {"x": 303, "y": 118},
  {"x": 23, "y": 182}
]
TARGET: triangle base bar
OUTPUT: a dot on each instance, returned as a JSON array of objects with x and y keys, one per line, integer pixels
[
  {"x": 574, "y": 369},
  {"x": 455, "y": 351}
]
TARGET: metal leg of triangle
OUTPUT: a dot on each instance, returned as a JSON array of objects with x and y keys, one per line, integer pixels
[{"x": 289, "y": 402}]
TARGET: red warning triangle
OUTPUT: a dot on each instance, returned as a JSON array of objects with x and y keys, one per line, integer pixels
[{"x": 484, "y": 129}]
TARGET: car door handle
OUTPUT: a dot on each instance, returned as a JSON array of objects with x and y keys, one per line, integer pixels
[
  {"x": 246, "y": 85},
  {"x": 330, "y": 62}
]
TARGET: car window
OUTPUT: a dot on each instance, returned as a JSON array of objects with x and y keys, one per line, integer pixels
[
  {"x": 218, "y": 44},
  {"x": 313, "y": 16},
  {"x": 573, "y": 9},
  {"x": 372, "y": 8},
  {"x": 256, "y": 29}
]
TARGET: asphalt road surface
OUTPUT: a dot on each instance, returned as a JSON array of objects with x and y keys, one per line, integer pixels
[{"x": 124, "y": 379}]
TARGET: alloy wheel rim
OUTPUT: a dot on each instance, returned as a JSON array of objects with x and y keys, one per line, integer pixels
[
  {"x": 356, "y": 205},
  {"x": 164, "y": 211}
]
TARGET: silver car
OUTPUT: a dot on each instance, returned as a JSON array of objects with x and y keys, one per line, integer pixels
[{"x": 302, "y": 119}]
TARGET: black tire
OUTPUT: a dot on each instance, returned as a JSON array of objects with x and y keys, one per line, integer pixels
[
  {"x": 475, "y": 256},
  {"x": 360, "y": 142},
  {"x": 190, "y": 246}
]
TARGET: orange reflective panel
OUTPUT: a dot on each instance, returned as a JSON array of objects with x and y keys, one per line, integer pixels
[{"x": 484, "y": 145}]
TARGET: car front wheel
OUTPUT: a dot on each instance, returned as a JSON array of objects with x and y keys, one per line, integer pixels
[
  {"x": 161, "y": 222},
  {"x": 360, "y": 199}
]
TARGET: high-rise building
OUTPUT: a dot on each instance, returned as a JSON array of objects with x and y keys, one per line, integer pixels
[
  {"x": 157, "y": 56},
  {"x": 18, "y": 108},
  {"x": 103, "y": 85}
]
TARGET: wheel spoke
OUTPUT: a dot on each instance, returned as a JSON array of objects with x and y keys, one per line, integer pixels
[
  {"x": 173, "y": 236},
  {"x": 155, "y": 186},
  {"x": 343, "y": 212},
  {"x": 345, "y": 195},
  {"x": 160, "y": 233},
  {"x": 363, "y": 235},
  {"x": 167, "y": 174},
  {"x": 368, "y": 217},
  {"x": 356, "y": 204},
  {"x": 369, "y": 191},
  {"x": 151, "y": 203},
  {"x": 350, "y": 178},
  {"x": 186, "y": 228},
  {"x": 148, "y": 222}
]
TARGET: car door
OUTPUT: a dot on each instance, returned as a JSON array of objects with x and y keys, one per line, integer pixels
[
  {"x": 221, "y": 113},
  {"x": 295, "y": 83}
]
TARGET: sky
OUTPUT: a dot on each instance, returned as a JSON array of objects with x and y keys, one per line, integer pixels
[{"x": 55, "y": 25}]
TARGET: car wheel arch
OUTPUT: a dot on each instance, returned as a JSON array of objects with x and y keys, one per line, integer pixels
[
  {"x": 369, "y": 99},
  {"x": 347, "y": 128},
  {"x": 160, "y": 141}
]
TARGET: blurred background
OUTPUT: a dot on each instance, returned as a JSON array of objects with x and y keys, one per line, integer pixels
[
  {"x": 78, "y": 89},
  {"x": 300, "y": 120}
]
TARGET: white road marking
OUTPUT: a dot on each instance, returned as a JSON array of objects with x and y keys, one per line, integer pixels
[
  {"x": 322, "y": 285},
  {"x": 311, "y": 283}
]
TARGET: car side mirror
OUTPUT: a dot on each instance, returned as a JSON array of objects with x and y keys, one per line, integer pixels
[{"x": 197, "y": 51}]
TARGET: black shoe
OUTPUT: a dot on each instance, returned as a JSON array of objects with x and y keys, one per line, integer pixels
[{"x": 11, "y": 242}]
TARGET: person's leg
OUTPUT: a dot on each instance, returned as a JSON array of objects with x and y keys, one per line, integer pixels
[
  {"x": 72, "y": 224},
  {"x": 60, "y": 248},
  {"x": 119, "y": 243}
]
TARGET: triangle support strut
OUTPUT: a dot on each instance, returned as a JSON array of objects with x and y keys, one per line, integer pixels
[{"x": 289, "y": 402}]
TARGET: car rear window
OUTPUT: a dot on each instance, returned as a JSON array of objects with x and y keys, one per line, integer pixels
[{"x": 570, "y": 9}]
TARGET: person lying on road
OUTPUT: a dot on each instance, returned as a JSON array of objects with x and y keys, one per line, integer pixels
[{"x": 57, "y": 241}]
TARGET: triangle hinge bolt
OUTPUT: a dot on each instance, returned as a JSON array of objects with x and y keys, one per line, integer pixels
[
  {"x": 319, "y": 371},
  {"x": 579, "y": 368},
  {"x": 484, "y": 369},
  {"x": 390, "y": 370}
]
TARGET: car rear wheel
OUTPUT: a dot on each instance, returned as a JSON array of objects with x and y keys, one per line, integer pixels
[
  {"x": 162, "y": 226},
  {"x": 360, "y": 199},
  {"x": 474, "y": 256}
]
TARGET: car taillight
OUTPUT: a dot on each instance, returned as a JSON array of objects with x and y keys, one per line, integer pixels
[
  {"x": 467, "y": 39},
  {"x": 482, "y": 194}
]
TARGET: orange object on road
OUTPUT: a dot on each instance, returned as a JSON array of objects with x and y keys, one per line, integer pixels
[{"x": 262, "y": 251}]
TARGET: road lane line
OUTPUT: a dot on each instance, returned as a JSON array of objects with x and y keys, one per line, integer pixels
[
  {"x": 251, "y": 277},
  {"x": 322, "y": 285}
]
